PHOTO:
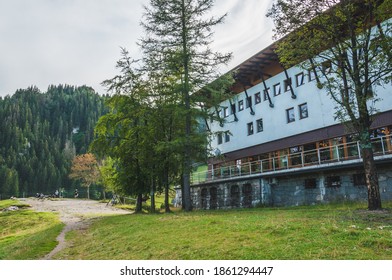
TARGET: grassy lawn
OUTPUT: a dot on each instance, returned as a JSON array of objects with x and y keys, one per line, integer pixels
[
  {"x": 344, "y": 231},
  {"x": 25, "y": 234}
]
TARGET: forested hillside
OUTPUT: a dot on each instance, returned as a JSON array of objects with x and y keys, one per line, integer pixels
[{"x": 40, "y": 133}]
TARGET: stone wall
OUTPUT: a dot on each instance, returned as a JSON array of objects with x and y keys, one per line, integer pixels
[{"x": 293, "y": 190}]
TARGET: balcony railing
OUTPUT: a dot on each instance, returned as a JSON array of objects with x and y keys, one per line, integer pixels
[{"x": 322, "y": 156}]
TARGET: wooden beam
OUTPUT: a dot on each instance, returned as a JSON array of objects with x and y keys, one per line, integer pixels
[
  {"x": 249, "y": 103},
  {"x": 266, "y": 90},
  {"x": 293, "y": 96},
  {"x": 234, "y": 113}
]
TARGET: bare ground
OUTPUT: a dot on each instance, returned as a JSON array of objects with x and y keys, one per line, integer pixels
[{"x": 76, "y": 214}]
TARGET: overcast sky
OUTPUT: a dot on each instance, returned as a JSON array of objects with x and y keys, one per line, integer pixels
[{"x": 77, "y": 42}]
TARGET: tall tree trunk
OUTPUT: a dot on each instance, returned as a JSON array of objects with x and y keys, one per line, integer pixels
[
  {"x": 374, "y": 199},
  {"x": 152, "y": 210},
  {"x": 187, "y": 152},
  {"x": 167, "y": 204},
  {"x": 139, "y": 202},
  {"x": 88, "y": 192}
]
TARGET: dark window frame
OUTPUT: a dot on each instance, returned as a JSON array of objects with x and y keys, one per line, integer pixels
[
  {"x": 303, "y": 114},
  {"x": 333, "y": 182},
  {"x": 250, "y": 128},
  {"x": 290, "y": 117},
  {"x": 220, "y": 138},
  {"x": 300, "y": 82},
  {"x": 287, "y": 84},
  {"x": 276, "y": 93},
  {"x": 248, "y": 102},
  {"x": 265, "y": 94},
  {"x": 227, "y": 136},
  {"x": 258, "y": 126},
  {"x": 240, "y": 105},
  {"x": 310, "y": 183},
  {"x": 257, "y": 97}
]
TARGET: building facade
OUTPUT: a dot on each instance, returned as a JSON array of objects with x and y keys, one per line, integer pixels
[{"x": 278, "y": 142}]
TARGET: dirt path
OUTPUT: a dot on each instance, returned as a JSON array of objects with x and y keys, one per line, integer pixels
[{"x": 74, "y": 213}]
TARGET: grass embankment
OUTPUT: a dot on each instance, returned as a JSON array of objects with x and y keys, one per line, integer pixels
[
  {"x": 314, "y": 232},
  {"x": 25, "y": 234}
]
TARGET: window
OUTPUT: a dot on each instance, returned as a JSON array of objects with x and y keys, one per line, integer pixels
[
  {"x": 250, "y": 128},
  {"x": 227, "y": 136},
  {"x": 257, "y": 98},
  {"x": 290, "y": 115},
  {"x": 249, "y": 101},
  {"x": 311, "y": 75},
  {"x": 299, "y": 79},
  {"x": 310, "y": 183},
  {"x": 219, "y": 138},
  {"x": 259, "y": 124},
  {"x": 326, "y": 66},
  {"x": 276, "y": 89},
  {"x": 265, "y": 94},
  {"x": 225, "y": 112},
  {"x": 332, "y": 182},
  {"x": 240, "y": 105},
  {"x": 287, "y": 84},
  {"x": 233, "y": 109},
  {"x": 359, "y": 179},
  {"x": 303, "y": 111}
]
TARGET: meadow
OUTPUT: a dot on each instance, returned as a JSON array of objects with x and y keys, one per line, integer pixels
[
  {"x": 26, "y": 234},
  {"x": 335, "y": 231},
  {"x": 339, "y": 231}
]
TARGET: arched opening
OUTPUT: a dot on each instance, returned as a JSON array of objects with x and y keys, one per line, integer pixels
[
  {"x": 247, "y": 193},
  {"x": 204, "y": 194},
  {"x": 213, "y": 198},
  {"x": 235, "y": 196}
]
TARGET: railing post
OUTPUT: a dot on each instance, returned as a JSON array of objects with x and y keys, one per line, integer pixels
[
  {"x": 382, "y": 146},
  {"x": 359, "y": 150},
  {"x": 302, "y": 158},
  {"x": 250, "y": 168},
  {"x": 319, "y": 155},
  {"x": 261, "y": 166},
  {"x": 273, "y": 163},
  {"x": 230, "y": 171},
  {"x": 337, "y": 152}
]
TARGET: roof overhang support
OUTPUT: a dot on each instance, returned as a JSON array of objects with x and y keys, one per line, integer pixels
[
  {"x": 219, "y": 117},
  {"x": 234, "y": 112},
  {"x": 249, "y": 103},
  {"x": 266, "y": 90},
  {"x": 293, "y": 96},
  {"x": 207, "y": 126},
  {"x": 314, "y": 70}
]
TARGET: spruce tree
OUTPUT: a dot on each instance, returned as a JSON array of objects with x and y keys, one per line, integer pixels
[{"x": 178, "y": 35}]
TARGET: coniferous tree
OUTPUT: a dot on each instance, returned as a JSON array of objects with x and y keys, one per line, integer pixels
[
  {"x": 177, "y": 40},
  {"x": 36, "y": 132}
]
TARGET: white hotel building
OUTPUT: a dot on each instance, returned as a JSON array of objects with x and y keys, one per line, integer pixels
[{"x": 281, "y": 145}]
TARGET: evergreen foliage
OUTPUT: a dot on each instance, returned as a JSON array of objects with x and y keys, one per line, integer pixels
[{"x": 40, "y": 133}]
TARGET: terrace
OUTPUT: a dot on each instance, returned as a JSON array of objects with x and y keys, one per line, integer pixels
[{"x": 324, "y": 157}]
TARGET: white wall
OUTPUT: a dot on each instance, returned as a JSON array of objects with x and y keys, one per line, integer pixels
[{"x": 321, "y": 110}]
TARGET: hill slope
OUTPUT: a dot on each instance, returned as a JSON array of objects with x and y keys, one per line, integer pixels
[{"x": 40, "y": 133}]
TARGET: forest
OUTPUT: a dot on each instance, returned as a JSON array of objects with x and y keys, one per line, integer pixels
[{"x": 40, "y": 134}]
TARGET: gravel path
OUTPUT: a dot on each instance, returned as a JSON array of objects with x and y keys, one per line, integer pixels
[{"x": 74, "y": 213}]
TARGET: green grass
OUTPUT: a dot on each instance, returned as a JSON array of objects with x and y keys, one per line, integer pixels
[
  {"x": 315, "y": 232},
  {"x": 9, "y": 202},
  {"x": 25, "y": 234}
]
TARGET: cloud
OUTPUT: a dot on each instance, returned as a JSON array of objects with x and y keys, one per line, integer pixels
[{"x": 78, "y": 42}]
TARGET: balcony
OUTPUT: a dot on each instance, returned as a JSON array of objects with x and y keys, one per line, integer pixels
[{"x": 323, "y": 157}]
